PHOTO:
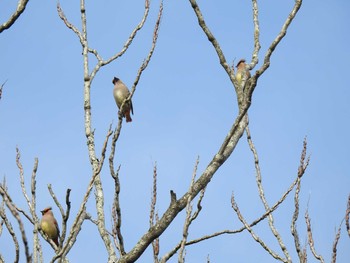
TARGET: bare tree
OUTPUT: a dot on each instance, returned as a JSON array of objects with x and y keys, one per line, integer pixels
[{"x": 113, "y": 239}]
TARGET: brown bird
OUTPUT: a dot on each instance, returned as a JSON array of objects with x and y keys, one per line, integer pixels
[
  {"x": 120, "y": 93},
  {"x": 49, "y": 225},
  {"x": 241, "y": 69}
]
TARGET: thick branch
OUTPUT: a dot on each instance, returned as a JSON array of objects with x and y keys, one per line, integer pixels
[
  {"x": 20, "y": 9},
  {"x": 176, "y": 206}
]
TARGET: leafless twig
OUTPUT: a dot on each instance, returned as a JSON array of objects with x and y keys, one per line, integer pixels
[
  {"x": 347, "y": 216},
  {"x": 301, "y": 171},
  {"x": 1, "y": 87},
  {"x": 310, "y": 238},
  {"x": 8, "y": 225},
  {"x": 153, "y": 216},
  {"x": 9, "y": 203},
  {"x": 262, "y": 196},
  {"x": 253, "y": 234},
  {"x": 335, "y": 243},
  {"x": 279, "y": 37},
  {"x": 117, "y": 215},
  {"x": 188, "y": 219}
]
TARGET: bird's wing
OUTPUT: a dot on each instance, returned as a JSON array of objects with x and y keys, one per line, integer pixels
[
  {"x": 58, "y": 229},
  {"x": 131, "y": 108}
]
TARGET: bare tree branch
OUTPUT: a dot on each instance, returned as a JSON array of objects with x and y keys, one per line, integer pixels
[
  {"x": 347, "y": 217},
  {"x": 153, "y": 217},
  {"x": 116, "y": 214},
  {"x": 262, "y": 196},
  {"x": 335, "y": 243},
  {"x": 279, "y": 37},
  {"x": 255, "y": 222},
  {"x": 68, "y": 24},
  {"x": 301, "y": 170},
  {"x": 251, "y": 83},
  {"x": 19, "y": 10},
  {"x": 81, "y": 215},
  {"x": 255, "y": 236},
  {"x": 1, "y": 87},
  {"x": 87, "y": 107},
  {"x": 188, "y": 221},
  {"x": 217, "y": 47},
  {"x": 65, "y": 216},
  {"x": 8, "y": 225},
  {"x": 21, "y": 174},
  {"x": 9, "y": 203},
  {"x": 310, "y": 238},
  {"x": 255, "y": 56}
]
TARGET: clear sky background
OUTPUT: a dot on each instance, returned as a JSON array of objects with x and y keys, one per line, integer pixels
[{"x": 184, "y": 106}]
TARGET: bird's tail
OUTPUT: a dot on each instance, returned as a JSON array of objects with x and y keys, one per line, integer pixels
[
  {"x": 127, "y": 116},
  {"x": 56, "y": 241}
]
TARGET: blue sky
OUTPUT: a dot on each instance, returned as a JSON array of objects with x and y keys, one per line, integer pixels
[{"x": 184, "y": 106}]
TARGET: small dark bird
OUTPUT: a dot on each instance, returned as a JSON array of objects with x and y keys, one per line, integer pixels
[
  {"x": 241, "y": 69},
  {"x": 49, "y": 225},
  {"x": 120, "y": 93}
]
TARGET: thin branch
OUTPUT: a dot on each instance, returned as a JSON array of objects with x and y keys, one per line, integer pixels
[
  {"x": 262, "y": 196},
  {"x": 15, "y": 214},
  {"x": 335, "y": 243},
  {"x": 310, "y": 238},
  {"x": 21, "y": 174},
  {"x": 279, "y": 37},
  {"x": 68, "y": 24},
  {"x": 117, "y": 214},
  {"x": 301, "y": 171},
  {"x": 219, "y": 233},
  {"x": 22, "y": 4},
  {"x": 216, "y": 46},
  {"x": 132, "y": 35},
  {"x": 8, "y": 225},
  {"x": 143, "y": 65},
  {"x": 35, "y": 221},
  {"x": 188, "y": 221},
  {"x": 80, "y": 217},
  {"x": 127, "y": 44},
  {"x": 1, "y": 87},
  {"x": 294, "y": 230},
  {"x": 255, "y": 236},
  {"x": 251, "y": 83},
  {"x": 65, "y": 216},
  {"x": 347, "y": 217},
  {"x": 153, "y": 214},
  {"x": 257, "y": 46}
]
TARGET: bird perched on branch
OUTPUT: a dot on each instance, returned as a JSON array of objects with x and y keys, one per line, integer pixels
[
  {"x": 120, "y": 93},
  {"x": 242, "y": 69},
  {"x": 49, "y": 225}
]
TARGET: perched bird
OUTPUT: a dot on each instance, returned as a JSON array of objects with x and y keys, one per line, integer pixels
[
  {"x": 49, "y": 225},
  {"x": 241, "y": 69},
  {"x": 121, "y": 93}
]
